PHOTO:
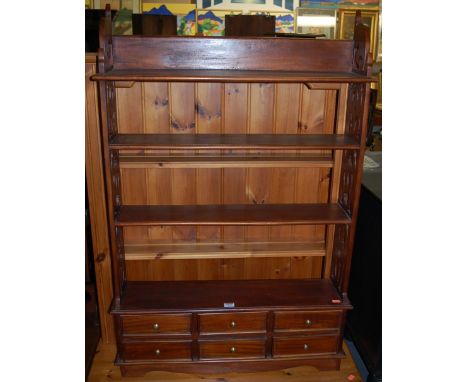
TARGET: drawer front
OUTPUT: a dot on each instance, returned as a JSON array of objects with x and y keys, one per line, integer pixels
[
  {"x": 306, "y": 320},
  {"x": 232, "y": 322},
  {"x": 157, "y": 350},
  {"x": 157, "y": 324},
  {"x": 303, "y": 346},
  {"x": 232, "y": 349}
]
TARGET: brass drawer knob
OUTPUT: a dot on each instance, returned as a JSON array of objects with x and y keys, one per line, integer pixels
[
  {"x": 157, "y": 352},
  {"x": 306, "y": 347},
  {"x": 233, "y": 349},
  {"x": 233, "y": 324},
  {"x": 308, "y": 322},
  {"x": 156, "y": 326}
]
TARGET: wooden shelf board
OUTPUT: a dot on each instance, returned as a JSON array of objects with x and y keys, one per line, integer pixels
[
  {"x": 145, "y": 297},
  {"x": 222, "y": 250},
  {"x": 232, "y": 141},
  {"x": 149, "y": 161},
  {"x": 232, "y": 214},
  {"x": 218, "y": 75}
]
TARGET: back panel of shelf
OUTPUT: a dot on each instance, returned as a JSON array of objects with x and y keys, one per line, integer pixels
[{"x": 227, "y": 108}]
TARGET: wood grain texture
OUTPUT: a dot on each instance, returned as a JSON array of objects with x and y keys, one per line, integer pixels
[
  {"x": 209, "y": 181},
  {"x": 157, "y": 350},
  {"x": 283, "y": 181},
  {"x": 232, "y": 349},
  {"x": 130, "y": 112},
  {"x": 335, "y": 175},
  {"x": 260, "y": 121},
  {"x": 182, "y": 109},
  {"x": 225, "y": 365},
  {"x": 302, "y": 347},
  {"x": 221, "y": 108},
  {"x": 306, "y": 321},
  {"x": 254, "y": 141},
  {"x": 168, "y": 297},
  {"x": 165, "y": 324},
  {"x": 233, "y": 214},
  {"x": 274, "y": 203},
  {"x": 97, "y": 203},
  {"x": 236, "y": 161},
  {"x": 201, "y": 53},
  {"x": 227, "y": 76},
  {"x": 229, "y": 323},
  {"x": 103, "y": 370},
  {"x": 224, "y": 250}
]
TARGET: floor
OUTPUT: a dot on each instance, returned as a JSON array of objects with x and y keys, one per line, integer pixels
[
  {"x": 92, "y": 332},
  {"x": 104, "y": 370}
]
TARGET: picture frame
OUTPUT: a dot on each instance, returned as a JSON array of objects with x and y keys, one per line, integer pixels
[
  {"x": 133, "y": 5},
  {"x": 327, "y": 29},
  {"x": 370, "y": 17},
  {"x": 210, "y": 22},
  {"x": 185, "y": 13}
]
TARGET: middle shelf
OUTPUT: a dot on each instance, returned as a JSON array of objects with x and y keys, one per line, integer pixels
[
  {"x": 232, "y": 214},
  {"x": 233, "y": 141},
  {"x": 227, "y": 161}
]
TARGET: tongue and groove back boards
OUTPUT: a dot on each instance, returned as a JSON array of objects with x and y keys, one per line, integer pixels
[{"x": 190, "y": 108}]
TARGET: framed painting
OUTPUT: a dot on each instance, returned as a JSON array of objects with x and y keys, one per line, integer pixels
[
  {"x": 370, "y": 18},
  {"x": 122, "y": 23},
  {"x": 186, "y": 15},
  {"x": 249, "y": 6},
  {"x": 211, "y": 22},
  {"x": 187, "y": 23},
  {"x": 133, "y": 5}
]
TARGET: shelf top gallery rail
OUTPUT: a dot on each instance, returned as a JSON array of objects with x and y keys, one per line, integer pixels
[
  {"x": 237, "y": 76},
  {"x": 232, "y": 59}
]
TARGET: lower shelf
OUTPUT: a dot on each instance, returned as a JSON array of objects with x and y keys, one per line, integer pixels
[
  {"x": 222, "y": 250},
  {"x": 146, "y": 297}
]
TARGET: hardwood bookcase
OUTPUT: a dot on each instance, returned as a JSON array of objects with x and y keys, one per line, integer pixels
[{"x": 233, "y": 171}]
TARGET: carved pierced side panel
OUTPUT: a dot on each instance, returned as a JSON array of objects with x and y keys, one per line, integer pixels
[
  {"x": 120, "y": 255},
  {"x": 349, "y": 170},
  {"x": 115, "y": 175},
  {"x": 347, "y": 181},
  {"x": 339, "y": 258},
  {"x": 111, "y": 107},
  {"x": 354, "y": 110}
]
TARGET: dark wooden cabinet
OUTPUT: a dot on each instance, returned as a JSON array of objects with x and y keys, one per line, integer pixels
[
  {"x": 364, "y": 322},
  {"x": 233, "y": 171},
  {"x": 154, "y": 25},
  {"x": 249, "y": 25}
]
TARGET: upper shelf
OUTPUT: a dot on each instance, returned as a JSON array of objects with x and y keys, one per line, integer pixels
[
  {"x": 232, "y": 141},
  {"x": 216, "y": 75}
]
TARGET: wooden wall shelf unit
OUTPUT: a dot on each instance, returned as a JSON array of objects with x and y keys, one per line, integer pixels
[{"x": 233, "y": 170}]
